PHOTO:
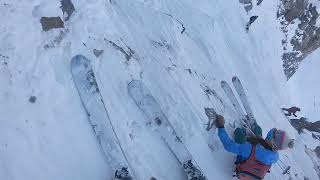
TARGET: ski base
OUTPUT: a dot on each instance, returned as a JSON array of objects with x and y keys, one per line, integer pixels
[
  {"x": 152, "y": 110},
  {"x": 243, "y": 98},
  {"x": 98, "y": 117}
]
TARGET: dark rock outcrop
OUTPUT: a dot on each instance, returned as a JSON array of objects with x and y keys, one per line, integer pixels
[
  {"x": 316, "y": 136},
  {"x": 306, "y": 38},
  {"x": 32, "y": 99},
  {"x": 317, "y": 151},
  {"x": 248, "y": 4},
  {"x": 302, "y": 123},
  {"x": 67, "y": 9},
  {"x": 97, "y": 52},
  {"x": 49, "y": 23}
]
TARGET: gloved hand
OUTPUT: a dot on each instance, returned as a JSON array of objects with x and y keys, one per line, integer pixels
[{"x": 220, "y": 121}]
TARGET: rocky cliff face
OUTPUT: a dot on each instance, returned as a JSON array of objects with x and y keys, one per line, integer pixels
[
  {"x": 299, "y": 23},
  {"x": 248, "y": 4},
  {"x": 300, "y": 26}
]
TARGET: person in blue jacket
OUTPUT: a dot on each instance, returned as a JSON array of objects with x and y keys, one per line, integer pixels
[{"x": 255, "y": 155}]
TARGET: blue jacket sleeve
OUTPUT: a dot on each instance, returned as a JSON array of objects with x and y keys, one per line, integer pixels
[{"x": 231, "y": 146}]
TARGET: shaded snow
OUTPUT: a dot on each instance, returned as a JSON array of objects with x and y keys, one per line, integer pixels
[{"x": 305, "y": 89}]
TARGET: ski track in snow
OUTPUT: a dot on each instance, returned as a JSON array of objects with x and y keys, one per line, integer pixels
[{"x": 142, "y": 40}]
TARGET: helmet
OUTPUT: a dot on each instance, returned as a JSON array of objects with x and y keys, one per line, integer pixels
[{"x": 279, "y": 139}]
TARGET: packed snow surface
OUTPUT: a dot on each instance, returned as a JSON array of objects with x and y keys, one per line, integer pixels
[{"x": 180, "y": 49}]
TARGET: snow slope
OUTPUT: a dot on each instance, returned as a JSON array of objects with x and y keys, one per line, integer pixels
[
  {"x": 177, "y": 48},
  {"x": 304, "y": 88}
]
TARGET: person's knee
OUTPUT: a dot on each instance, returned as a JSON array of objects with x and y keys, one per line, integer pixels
[
  {"x": 240, "y": 135},
  {"x": 257, "y": 130},
  {"x": 240, "y": 131}
]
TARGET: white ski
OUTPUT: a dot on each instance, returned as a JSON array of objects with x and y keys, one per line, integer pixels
[
  {"x": 243, "y": 118},
  {"x": 152, "y": 110},
  {"x": 243, "y": 97},
  {"x": 92, "y": 101}
]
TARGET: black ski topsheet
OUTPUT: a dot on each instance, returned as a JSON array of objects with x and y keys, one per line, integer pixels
[
  {"x": 92, "y": 101},
  {"x": 152, "y": 110}
]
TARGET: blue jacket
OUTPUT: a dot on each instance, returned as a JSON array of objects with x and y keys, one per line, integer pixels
[{"x": 263, "y": 155}]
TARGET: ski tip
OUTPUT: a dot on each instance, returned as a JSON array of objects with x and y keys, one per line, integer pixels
[
  {"x": 223, "y": 83},
  {"x": 134, "y": 83},
  {"x": 208, "y": 109},
  {"x": 235, "y": 78},
  {"x": 79, "y": 59}
]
